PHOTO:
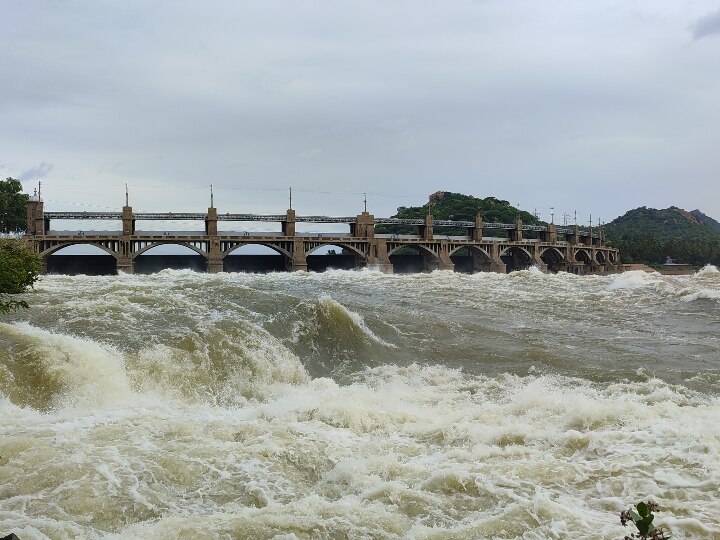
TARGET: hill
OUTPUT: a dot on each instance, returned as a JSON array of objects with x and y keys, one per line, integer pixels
[
  {"x": 456, "y": 206},
  {"x": 648, "y": 235},
  {"x": 669, "y": 223},
  {"x": 707, "y": 220}
]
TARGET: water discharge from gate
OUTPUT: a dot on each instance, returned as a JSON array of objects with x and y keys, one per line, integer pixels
[{"x": 360, "y": 405}]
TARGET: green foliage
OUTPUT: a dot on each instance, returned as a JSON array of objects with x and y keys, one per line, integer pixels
[
  {"x": 649, "y": 236},
  {"x": 19, "y": 269},
  {"x": 643, "y": 521},
  {"x": 458, "y": 207},
  {"x": 13, "y": 205},
  {"x": 707, "y": 220}
]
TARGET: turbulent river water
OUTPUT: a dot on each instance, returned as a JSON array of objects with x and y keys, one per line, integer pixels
[{"x": 353, "y": 404}]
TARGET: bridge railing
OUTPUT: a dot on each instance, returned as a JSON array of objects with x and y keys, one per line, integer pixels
[{"x": 195, "y": 216}]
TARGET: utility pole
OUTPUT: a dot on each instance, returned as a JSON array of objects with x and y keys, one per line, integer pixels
[
  {"x": 565, "y": 218},
  {"x": 365, "y": 201},
  {"x": 552, "y": 215},
  {"x": 291, "y": 198},
  {"x": 212, "y": 201},
  {"x": 127, "y": 196},
  {"x": 575, "y": 217}
]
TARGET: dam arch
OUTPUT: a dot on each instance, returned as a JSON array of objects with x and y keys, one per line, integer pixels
[
  {"x": 93, "y": 260},
  {"x": 422, "y": 260},
  {"x": 190, "y": 257},
  {"x": 254, "y": 258},
  {"x": 344, "y": 257}
]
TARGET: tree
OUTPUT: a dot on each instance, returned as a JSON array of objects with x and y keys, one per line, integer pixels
[
  {"x": 13, "y": 205},
  {"x": 19, "y": 269}
]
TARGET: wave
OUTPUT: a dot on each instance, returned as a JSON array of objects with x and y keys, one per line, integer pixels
[
  {"x": 46, "y": 370},
  {"x": 235, "y": 361},
  {"x": 333, "y": 339}
]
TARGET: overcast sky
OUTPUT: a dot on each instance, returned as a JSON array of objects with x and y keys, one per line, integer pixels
[{"x": 595, "y": 105}]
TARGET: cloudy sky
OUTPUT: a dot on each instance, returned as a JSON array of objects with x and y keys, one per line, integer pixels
[{"x": 596, "y": 105}]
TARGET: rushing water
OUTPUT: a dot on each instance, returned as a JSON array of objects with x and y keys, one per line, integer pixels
[{"x": 360, "y": 405}]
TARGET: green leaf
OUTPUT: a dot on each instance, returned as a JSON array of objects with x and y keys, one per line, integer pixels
[{"x": 643, "y": 509}]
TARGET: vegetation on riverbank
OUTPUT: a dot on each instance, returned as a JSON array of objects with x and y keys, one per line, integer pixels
[
  {"x": 13, "y": 205},
  {"x": 650, "y": 236},
  {"x": 19, "y": 269}
]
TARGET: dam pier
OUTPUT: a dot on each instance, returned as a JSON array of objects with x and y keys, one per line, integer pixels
[{"x": 484, "y": 247}]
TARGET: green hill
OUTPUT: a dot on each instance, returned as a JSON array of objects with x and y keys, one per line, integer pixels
[
  {"x": 707, "y": 220},
  {"x": 643, "y": 235},
  {"x": 647, "y": 235},
  {"x": 459, "y": 207}
]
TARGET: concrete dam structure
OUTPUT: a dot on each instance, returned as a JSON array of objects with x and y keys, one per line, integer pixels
[{"x": 485, "y": 247}]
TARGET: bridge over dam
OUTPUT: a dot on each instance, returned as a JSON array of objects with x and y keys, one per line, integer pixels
[{"x": 485, "y": 247}]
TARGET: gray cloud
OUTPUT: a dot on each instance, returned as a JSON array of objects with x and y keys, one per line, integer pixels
[
  {"x": 707, "y": 26},
  {"x": 36, "y": 173},
  {"x": 567, "y": 105}
]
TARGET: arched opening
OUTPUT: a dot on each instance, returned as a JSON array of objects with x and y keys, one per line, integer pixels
[
  {"x": 255, "y": 258},
  {"x": 583, "y": 256},
  {"x": 553, "y": 259},
  {"x": 600, "y": 257},
  {"x": 333, "y": 257},
  {"x": 169, "y": 256},
  {"x": 516, "y": 258},
  {"x": 470, "y": 260},
  {"x": 87, "y": 259},
  {"x": 413, "y": 259}
]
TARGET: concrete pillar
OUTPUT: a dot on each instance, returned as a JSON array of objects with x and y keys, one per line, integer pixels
[
  {"x": 476, "y": 232},
  {"x": 364, "y": 226},
  {"x": 517, "y": 235},
  {"x": 550, "y": 235},
  {"x": 496, "y": 263},
  {"x": 378, "y": 256},
  {"x": 288, "y": 226},
  {"x": 426, "y": 231},
  {"x": 537, "y": 260},
  {"x": 36, "y": 224},
  {"x": 211, "y": 228},
  {"x": 125, "y": 262},
  {"x": 445, "y": 262},
  {"x": 574, "y": 238},
  {"x": 215, "y": 260},
  {"x": 125, "y": 265},
  {"x": 128, "y": 221},
  {"x": 299, "y": 261}
]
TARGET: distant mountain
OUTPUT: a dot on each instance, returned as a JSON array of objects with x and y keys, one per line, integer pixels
[
  {"x": 459, "y": 207},
  {"x": 647, "y": 235},
  {"x": 707, "y": 220},
  {"x": 669, "y": 223}
]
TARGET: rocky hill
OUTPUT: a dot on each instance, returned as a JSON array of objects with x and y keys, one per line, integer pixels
[
  {"x": 648, "y": 235},
  {"x": 707, "y": 220},
  {"x": 456, "y": 206},
  {"x": 669, "y": 223}
]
